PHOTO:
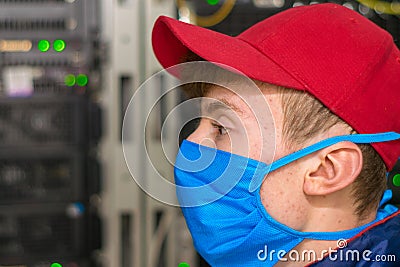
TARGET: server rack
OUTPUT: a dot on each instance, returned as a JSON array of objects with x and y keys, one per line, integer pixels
[{"x": 50, "y": 125}]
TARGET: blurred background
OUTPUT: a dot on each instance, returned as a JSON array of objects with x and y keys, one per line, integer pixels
[{"x": 68, "y": 69}]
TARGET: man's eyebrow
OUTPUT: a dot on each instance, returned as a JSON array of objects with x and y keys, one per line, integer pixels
[{"x": 211, "y": 107}]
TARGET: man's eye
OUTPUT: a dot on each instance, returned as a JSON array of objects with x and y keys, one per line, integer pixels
[{"x": 221, "y": 130}]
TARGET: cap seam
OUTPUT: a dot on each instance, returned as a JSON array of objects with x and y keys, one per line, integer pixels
[
  {"x": 279, "y": 65},
  {"x": 343, "y": 101},
  {"x": 289, "y": 20},
  {"x": 294, "y": 74}
]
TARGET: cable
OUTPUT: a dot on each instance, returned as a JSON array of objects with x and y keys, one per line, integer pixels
[{"x": 211, "y": 20}]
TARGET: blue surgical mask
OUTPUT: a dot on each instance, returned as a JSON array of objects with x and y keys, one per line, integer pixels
[{"x": 219, "y": 195}]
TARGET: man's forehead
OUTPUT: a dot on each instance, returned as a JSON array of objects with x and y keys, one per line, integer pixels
[
  {"x": 241, "y": 101},
  {"x": 241, "y": 94},
  {"x": 229, "y": 90},
  {"x": 211, "y": 105},
  {"x": 223, "y": 97},
  {"x": 241, "y": 89}
]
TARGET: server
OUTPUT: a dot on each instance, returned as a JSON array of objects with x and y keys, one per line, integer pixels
[{"x": 49, "y": 129}]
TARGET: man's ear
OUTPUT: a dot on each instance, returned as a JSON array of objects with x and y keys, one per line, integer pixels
[{"x": 333, "y": 168}]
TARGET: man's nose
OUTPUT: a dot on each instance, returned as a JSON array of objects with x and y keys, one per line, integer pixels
[{"x": 202, "y": 135}]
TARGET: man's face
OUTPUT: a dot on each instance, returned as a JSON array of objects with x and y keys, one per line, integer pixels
[{"x": 250, "y": 124}]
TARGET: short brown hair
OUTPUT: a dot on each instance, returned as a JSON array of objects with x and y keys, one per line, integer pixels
[{"x": 305, "y": 117}]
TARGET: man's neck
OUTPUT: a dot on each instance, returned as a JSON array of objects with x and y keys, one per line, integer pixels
[
  {"x": 322, "y": 220},
  {"x": 334, "y": 220}
]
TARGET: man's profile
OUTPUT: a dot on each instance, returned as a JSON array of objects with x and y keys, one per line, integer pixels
[{"x": 331, "y": 81}]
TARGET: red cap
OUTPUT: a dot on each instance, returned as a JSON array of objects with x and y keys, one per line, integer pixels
[{"x": 337, "y": 55}]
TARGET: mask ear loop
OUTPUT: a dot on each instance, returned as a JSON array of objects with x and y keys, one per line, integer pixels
[{"x": 355, "y": 138}]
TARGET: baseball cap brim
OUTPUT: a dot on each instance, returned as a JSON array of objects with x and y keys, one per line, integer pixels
[{"x": 173, "y": 39}]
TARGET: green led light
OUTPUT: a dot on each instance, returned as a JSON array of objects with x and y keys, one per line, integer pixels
[
  {"x": 69, "y": 80},
  {"x": 396, "y": 180},
  {"x": 183, "y": 264},
  {"x": 212, "y": 2},
  {"x": 59, "y": 45},
  {"x": 55, "y": 264},
  {"x": 81, "y": 79},
  {"x": 43, "y": 45}
]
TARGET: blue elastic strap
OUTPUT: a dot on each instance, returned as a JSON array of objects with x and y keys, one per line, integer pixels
[{"x": 355, "y": 138}]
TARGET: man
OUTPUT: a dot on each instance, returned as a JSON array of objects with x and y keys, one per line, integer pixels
[{"x": 330, "y": 80}]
